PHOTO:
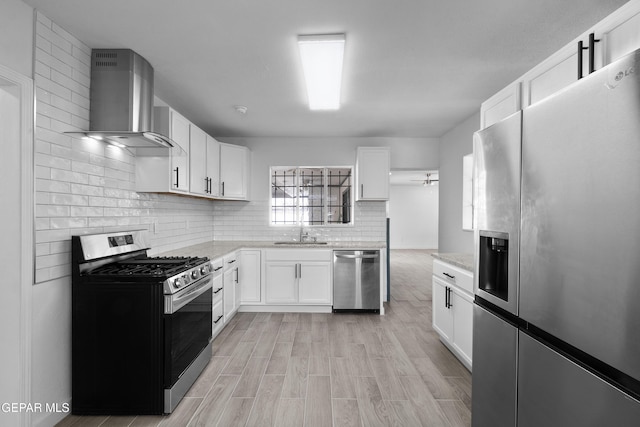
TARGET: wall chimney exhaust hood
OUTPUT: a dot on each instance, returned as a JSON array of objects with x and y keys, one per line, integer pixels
[{"x": 122, "y": 102}]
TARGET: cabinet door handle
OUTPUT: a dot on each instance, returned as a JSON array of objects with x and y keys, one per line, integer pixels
[
  {"x": 237, "y": 275},
  {"x": 177, "y": 176},
  {"x": 218, "y": 319},
  {"x": 216, "y": 269},
  {"x": 362, "y": 190},
  {"x": 206, "y": 185},
  {"x": 449, "y": 275},
  {"x": 223, "y": 188},
  {"x": 217, "y": 290},
  {"x": 300, "y": 271},
  {"x": 580, "y": 49},
  {"x": 592, "y": 52}
]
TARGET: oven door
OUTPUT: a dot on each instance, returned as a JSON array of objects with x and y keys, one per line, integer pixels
[{"x": 187, "y": 327}]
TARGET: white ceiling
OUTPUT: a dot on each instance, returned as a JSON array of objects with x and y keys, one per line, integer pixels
[{"x": 413, "y": 68}]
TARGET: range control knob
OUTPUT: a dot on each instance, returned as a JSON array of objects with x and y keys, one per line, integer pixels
[
  {"x": 194, "y": 274},
  {"x": 204, "y": 269},
  {"x": 177, "y": 283}
]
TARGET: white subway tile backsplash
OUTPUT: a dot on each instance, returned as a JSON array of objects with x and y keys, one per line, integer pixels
[
  {"x": 51, "y": 86},
  {"x": 69, "y": 176},
  {"x": 43, "y": 44},
  {"x": 75, "y": 222},
  {"x": 52, "y": 186},
  {"x": 250, "y": 221},
  {"x": 69, "y": 199},
  {"x": 83, "y": 211},
  {"x": 52, "y": 137}
]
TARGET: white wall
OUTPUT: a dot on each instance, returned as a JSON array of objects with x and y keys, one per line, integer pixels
[
  {"x": 16, "y": 36},
  {"x": 249, "y": 221},
  {"x": 406, "y": 153},
  {"x": 82, "y": 187},
  {"x": 413, "y": 213},
  {"x": 454, "y": 145}
]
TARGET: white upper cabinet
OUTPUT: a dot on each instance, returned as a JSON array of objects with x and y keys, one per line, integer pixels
[
  {"x": 234, "y": 169},
  {"x": 197, "y": 166},
  {"x": 622, "y": 33},
  {"x": 373, "y": 165},
  {"x": 615, "y": 36},
  {"x": 213, "y": 166},
  {"x": 166, "y": 174},
  {"x": 501, "y": 105},
  {"x": 199, "y": 182},
  {"x": 180, "y": 158},
  {"x": 205, "y": 163}
]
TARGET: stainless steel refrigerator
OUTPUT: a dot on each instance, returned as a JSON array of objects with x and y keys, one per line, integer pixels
[{"x": 556, "y": 320}]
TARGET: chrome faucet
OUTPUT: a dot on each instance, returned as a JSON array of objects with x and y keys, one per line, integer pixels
[{"x": 303, "y": 236}]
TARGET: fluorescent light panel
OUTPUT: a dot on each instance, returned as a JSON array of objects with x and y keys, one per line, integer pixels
[{"x": 322, "y": 57}]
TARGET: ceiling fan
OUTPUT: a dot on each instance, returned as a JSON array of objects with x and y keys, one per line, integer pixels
[{"x": 427, "y": 181}]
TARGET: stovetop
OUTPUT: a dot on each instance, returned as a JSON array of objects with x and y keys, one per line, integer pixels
[{"x": 160, "y": 267}]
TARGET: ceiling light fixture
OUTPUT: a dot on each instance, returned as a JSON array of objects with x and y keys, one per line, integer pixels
[{"x": 322, "y": 57}]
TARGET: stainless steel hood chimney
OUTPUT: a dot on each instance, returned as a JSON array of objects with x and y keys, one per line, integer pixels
[{"x": 122, "y": 101}]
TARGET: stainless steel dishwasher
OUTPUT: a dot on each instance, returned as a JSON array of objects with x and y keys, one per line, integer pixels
[{"x": 356, "y": 281}]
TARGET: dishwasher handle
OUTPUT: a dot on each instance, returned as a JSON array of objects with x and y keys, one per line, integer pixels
[{"x": 367, "y": 256}]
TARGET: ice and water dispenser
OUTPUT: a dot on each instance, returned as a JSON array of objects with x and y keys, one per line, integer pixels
[{"x": 494, "y": 264}]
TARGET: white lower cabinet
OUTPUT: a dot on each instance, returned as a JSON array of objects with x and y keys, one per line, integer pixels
[
  {"x": 282, "y": 282},
  {"x": 218, "y": 294},
  {"x": 250, "y": 263},
  {"x": 231, "y": 287},
  {"x": 453, "y": 310},
  {"x": 298, "y": 277},
  {"x": 314, "y": 283}
]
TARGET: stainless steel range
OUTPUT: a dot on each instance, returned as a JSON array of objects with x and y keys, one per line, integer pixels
[{"x": 141, "y": 326}]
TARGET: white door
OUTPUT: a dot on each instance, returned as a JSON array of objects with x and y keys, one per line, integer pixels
[
  {"x": 229, "y": 296},
  {"x": 314, "y": 283},
  {"x": 16, "y": 229},
  {"x": 250, "y": 276},
  {"x": 442, "y": 318},
  {"x": 281, "y": 283},
  {"x": 233, "y": 164},
  {"x": 199, "y": 183},
  {"x": 462, "y": 306},
  {"x": 180, "y": 157},
  {"x": 213, "y": 166}
]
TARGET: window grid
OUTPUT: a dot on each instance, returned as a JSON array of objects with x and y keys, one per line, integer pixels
[{"x": 311, "y": 196}]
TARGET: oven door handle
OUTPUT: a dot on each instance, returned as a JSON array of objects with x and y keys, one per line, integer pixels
[{"x": 175, "y": 302}]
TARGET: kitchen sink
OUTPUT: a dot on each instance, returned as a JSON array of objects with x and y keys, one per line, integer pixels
[{"x": 299, "y": 243}]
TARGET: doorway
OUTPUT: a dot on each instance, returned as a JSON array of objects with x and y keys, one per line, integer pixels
[{"x": 16, "y": 229}]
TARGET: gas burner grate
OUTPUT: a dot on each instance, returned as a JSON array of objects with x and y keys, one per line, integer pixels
[{"x": 148, "y": 266}]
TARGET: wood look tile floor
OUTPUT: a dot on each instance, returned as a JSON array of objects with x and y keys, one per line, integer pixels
[{"x": 302, "y": 369}]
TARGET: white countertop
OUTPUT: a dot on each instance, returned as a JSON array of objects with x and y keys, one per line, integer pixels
[{"x": 217, "y": 248}]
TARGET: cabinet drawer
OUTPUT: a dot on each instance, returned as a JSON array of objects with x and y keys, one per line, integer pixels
[
  {"x": 217, "y": 289},
  {"x": 453, "y": 275},
  {"x": 230, "y": 261},
  {"x": 298, "y": 255},
  {"x": 218, "y": 318},
  {"x": 217, "y": 265}
]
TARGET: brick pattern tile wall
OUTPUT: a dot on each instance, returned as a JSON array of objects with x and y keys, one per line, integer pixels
[
  {"x": 88, "y": 187},
  {"x": 250, "y": 221}
]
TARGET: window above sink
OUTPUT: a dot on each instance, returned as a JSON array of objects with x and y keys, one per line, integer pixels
[{"x": 311, "y": 196}]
